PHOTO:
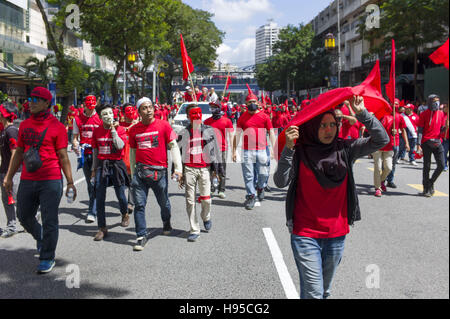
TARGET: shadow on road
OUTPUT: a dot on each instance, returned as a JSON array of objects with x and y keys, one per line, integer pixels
[
  {"x": 20, "y": 281},
  {"x": 364, "y": 189}
]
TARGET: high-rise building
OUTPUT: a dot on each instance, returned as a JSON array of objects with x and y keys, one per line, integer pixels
[{"x": 266, "y": 37}]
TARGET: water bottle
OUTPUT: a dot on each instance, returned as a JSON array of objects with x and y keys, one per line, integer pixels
[
  {"x": 176, "y": 178},
  {"x": 215, "y": 182},
  {"x": 70, "y": 195}
]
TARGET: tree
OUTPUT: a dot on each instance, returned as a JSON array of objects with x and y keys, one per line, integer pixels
[
  {"x": 412, "y": 24},
  {"x": 41, "y": 69},
  {"x": 294, "y": 61},
  {"x": 201, "y": 36},
  {"x": 120, "y": 27}
]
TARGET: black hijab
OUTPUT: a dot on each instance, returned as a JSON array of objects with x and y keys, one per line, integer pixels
[{"x": 326, "y": 161}]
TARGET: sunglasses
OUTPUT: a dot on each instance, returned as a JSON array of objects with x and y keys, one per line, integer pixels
[{"x": 35, "y": 99}]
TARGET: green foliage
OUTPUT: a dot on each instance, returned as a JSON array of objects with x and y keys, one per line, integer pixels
[
  {"x": 41, "y": 68},
  {"x": 3, "y": 97},
  {"x": 298, "y": 57}
]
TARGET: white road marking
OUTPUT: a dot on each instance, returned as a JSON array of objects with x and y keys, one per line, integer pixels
[
  {"x": 283, "y": 273},
  {"x": 75, "y": 183}
]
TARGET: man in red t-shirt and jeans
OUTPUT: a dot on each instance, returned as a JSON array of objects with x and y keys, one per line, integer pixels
[
  {"x": 42, "y": 187},
  {"x": 83, "y": 129},
  {"x": 224, "y": 131},
  {"x": 149, "y": 141},
  {"x": 431, "y": 125},
  {"x": 108, "y": 143},
  {"x": 254, "y": 125}
]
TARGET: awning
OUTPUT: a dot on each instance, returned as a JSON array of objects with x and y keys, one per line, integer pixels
[{"x": 10, "y": 71}]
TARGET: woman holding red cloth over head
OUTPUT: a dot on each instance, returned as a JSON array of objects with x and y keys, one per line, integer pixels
[{"x": 322, "y": 201}]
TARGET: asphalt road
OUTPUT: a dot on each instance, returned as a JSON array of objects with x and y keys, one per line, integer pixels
[{"x": 400, "y": 249}]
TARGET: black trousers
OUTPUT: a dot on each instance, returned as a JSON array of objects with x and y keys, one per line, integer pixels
[{"x": 432, "y": 147}]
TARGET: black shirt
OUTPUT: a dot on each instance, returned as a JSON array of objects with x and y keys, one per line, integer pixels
[{"x": 8, "y": 141}]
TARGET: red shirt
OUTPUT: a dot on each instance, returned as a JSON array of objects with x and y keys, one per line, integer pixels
[
  {"x": 388, "y": 123},
  {"x": 431, "y": 126},
  {"x": 150, "y": 142},
  {"x": 414, "y": 118},
  {"x": 55, "y": 139},
  {"x": 86, "y": 126},
  {"x": 255, "y": 127},
  {"x": 194, "y": 153},
  {"x": 443, "y": 135},
  {"x": 102, "y": 140},
  {"x": 223, "y": 125},
  {"x": 319, "y": 212}
]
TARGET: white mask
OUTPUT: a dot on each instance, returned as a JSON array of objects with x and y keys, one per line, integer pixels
[{"x": 107, "y": 116}]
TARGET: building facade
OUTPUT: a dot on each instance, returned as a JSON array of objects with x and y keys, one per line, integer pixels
[{"x": 266, "y": 37}]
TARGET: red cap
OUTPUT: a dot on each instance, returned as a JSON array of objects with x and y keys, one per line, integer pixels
[
  {"x": 250, "y": 95},
  {"x": 42, "y": 93}
]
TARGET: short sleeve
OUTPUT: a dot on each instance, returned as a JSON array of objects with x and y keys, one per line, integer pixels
[
  {"x": 20, "y": 139},
  {"x": 420, "y": 122},
  {"x": 132, "y": 137},
  {"x": 170, "y": 133},
  {"x": 61, "y": 137}
]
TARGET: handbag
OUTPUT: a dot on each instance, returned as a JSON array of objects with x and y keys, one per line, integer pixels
[
  {"x": 32, "y": 158},
  {"x": 148, "y": 173}
]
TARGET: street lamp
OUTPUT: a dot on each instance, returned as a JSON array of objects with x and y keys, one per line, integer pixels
[{"x": 330, "y": 41}]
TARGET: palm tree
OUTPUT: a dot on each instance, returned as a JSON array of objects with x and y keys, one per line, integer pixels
[
  {"x": 41, "y": 69},
  {"x": 99, "y": 80}
]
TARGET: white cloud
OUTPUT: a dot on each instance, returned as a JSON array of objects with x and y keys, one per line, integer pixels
[
  {"x": 242, "y": 55},
  {"x": 236, "y": 10}
]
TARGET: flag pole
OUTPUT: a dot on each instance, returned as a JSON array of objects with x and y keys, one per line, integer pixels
[
  {"x": 192, "y": 83},
  {"x": 225, "y": 88}
]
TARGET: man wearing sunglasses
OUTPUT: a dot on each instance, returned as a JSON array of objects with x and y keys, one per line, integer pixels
[{"x": 42, "y": 186}]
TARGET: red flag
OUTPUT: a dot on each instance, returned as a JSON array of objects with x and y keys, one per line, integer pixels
[
  {"x": 263, "y": 100},
  {"x": 440, "y": 56},
  {"x": 370, "y": 90},
  {"x": 229, "y": 81},
  {"x": 390, "y": 87},
  {"x": 188, "y": 67}
]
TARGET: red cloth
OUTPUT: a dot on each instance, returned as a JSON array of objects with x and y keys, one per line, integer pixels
[
  {"x": 150, "y": 142},
  {"x": 86, "y": 126},
  {"x": 319, "y": 212},
  {"x": 194, "y": 153},
  {"x": 414, "y": 118},
  {"x": 445, "y": 135},
  {"x": 440, "y": 56},
  {"x": 221, "y": 126},
  {"x": 102, "y": 140},
  {"x": 370, "y": 89},
  {"x": 229, "y": 81},
  {"x": 390, "y": 87},
  {"x": 55, "y": 139},
  {"x": 188, "y": 67},
  {"x": 255, "y": 127},
  {"x": 388, "y": 123},
  {"x": 431, "y": 124}
]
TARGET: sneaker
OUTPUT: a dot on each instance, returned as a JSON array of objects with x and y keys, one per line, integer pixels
[
  {"x": 445, "y": 169},
  {"x": 45, "y": 266},
  {"x": 140, "y": 244},
  {"x": 193, "y": 237},
  {"x": 414, "y": 163},
  {"x": 90, "y": 219},
  {"x": 378, "y": 193},
  {"x": 167, "y": 228},
  {"x": 268, "y": 189},
  {"x": 8, "y": 233},
  {"x": 261, "y": 195},
  {"x": 431, "y": 190},
  {"x": 250, "y": 202},
  {"x": 391, "y": 185},
  {"x": 383, "y": 187},
  {"x": 222, "y": 195},
  {"x": 208, "y": 225}
]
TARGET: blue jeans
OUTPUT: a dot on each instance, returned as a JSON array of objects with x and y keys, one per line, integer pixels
[
  {"x": 317, "y": 261},
  {"x": 446, "y": 157},
  {"x": 255, "y": 171},
  {"x": 48, "y": 195},
  {"x": 100, "y": 189},
  {"x": 139, "y": 190},
  {"x": 255, "y": 163},
  {"x": 390, "y": 178},
  {"x": 87, "y": 169}
]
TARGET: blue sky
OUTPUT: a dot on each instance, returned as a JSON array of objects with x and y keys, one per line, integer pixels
[{"x": 239, "y": 19}]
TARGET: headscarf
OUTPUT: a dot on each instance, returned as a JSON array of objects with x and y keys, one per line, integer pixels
[{"x": 326, "y": 161}]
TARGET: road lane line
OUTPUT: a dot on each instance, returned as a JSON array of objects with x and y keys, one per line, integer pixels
[
  {"x": 371, "y": 169},
  {"x": 420, "y": 188},
  {"x": 283, "y": 273},
  {"x": 77, "y": 182}
]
